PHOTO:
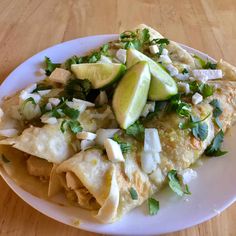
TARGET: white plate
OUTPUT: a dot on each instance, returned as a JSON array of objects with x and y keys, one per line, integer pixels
[{"x": 212, "y": 191}]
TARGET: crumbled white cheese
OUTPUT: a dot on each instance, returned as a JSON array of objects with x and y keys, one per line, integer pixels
[
  {"x": 101, "y": 99},
  {"x": 165, "y": 59},
  {"x": 48, "y": 106},
  {"x": 44, "y": 92},
  {"x": 113, "y": 150},
  {"x": 86, "y": 135},
  {"x": 149, "y": 107},
  {"x": 25, "y": 95},
  {"x": 202, "y": 79},
  {"x": 54, "y": 101},
  {"x": 9, "y": 133},
  {"x": 60, "y": 75},
  {"x": 48, "y": 120},
  {"x": 210, "y": 74},
  {"x": 164, "y": 51},
  {"x": 85, "y": 144},
  {"x": 172, "y": 69},
  {"x": 151, "y": 140},
  {"x": 181, "y": 76},
  {"x": 103, "y": 134},
  {"x": 148, "y": 163},
  {"x": 157, "y": 176},
  {"x": 79, "y": 104},
  {"x": 30, "y": 88},
  {"x": 153, "y": 49},
  {"x": 104, "y": 59},
  {"x": 121, "y": 55},
  {"x": 188, "y": 175},
  {"x": 197, "y": 98},
  {"x": 183, "y": 87}
]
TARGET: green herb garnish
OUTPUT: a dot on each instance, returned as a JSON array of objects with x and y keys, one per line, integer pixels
[
  {"x": 73, "y": 125},
  {"x": 210, "y": 65},
  {"x": 125, "y": 147},
  {"x": 205, "y": 90},
  {"x": 30, "y": 99},
  {"x": 184, "y": 71},
  {"x": 175, "y": 185},
  {"x": 214, "y": 148},
  {"x": 217, "y": 111},
  {"x": 153, "y": 206},
  {"x": 133, "y": 193},
  {"x": 198, "y": 127},
  {"x": 181, "y": 108},
  {"x": 71, "y": 113},
  {"x": 76, "y": 88},
  {"x": 49, "y": 66},
  {"x": 136, "y": 130}
]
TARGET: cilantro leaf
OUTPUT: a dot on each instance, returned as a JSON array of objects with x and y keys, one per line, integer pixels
[
  {"x": 42, "y": 86},
  {"x": 133, "y": 193},
  {"x": 205, "y": 90},
  {"x": 210, "y": 65},
  {"x": 218, "y": 123},
  {"x": 198, "y": 127},
  {"x": 184, "y": 71},
  {"x": 76, "y": 88},
  {"x": 181, "y": 108},
  {"x": 71, "y": 113},
  {"x": 200, "y": 131},
  {"x": 205, "y": 64},
  {"x": 71, "y": 61},
  {"x": 30, "y": 99},
  {"x": 187, "y": 190},
  {"x": 174, "y": 182},
  {"x": 153, "y": 206},
  {"x": 159, "y": 106},
  {"x": 125, "y": 147},
  {"x": 50, "y": 67},
  {"x": 145, "y": 36},
  {"x": 4, "y": 159},
  {"x": 217, "y": 108},
  {"x": 73, "y": 125},
  {"x": 214, "y": 148},
  {"x": 136, "y": 130}
]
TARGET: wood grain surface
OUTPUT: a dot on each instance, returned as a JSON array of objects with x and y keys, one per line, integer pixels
[{"x": 28, "y": 26}]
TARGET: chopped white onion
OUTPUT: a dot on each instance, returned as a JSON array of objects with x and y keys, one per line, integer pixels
[
  {"x": 113, "y": 150},
  {"x": 103, "y": 134},
  {"x": 210, "y": 74},
  {"x": 86, "y": 135},
  {"x": 121, "y": 55},
  {"x": 152, "y": 141}
]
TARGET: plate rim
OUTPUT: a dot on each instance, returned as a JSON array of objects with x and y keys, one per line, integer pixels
[{"x": 8, "y": 180}]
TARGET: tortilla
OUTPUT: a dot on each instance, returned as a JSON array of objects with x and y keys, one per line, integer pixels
[
  {"x": 48, "y": 143},
  {"x": 176, "y": 52}
]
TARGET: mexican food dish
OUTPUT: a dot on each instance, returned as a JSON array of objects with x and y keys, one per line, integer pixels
[{"x": 112, "y": 128}]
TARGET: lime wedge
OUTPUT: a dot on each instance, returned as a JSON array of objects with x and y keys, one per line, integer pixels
[
  {"x": 131, "y": 94},
  {"x": 100, "y": 75},
  {"x": 162, "y": 84}
]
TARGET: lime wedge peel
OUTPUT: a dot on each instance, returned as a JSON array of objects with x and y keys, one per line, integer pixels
[
  {"x": 131, "y": 94},
  {"x": 101, "y": 75},
  {"x": 162, "y": 85}
]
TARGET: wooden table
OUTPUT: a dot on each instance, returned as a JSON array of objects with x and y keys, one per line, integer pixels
[{"x": 27, "y": 27}]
